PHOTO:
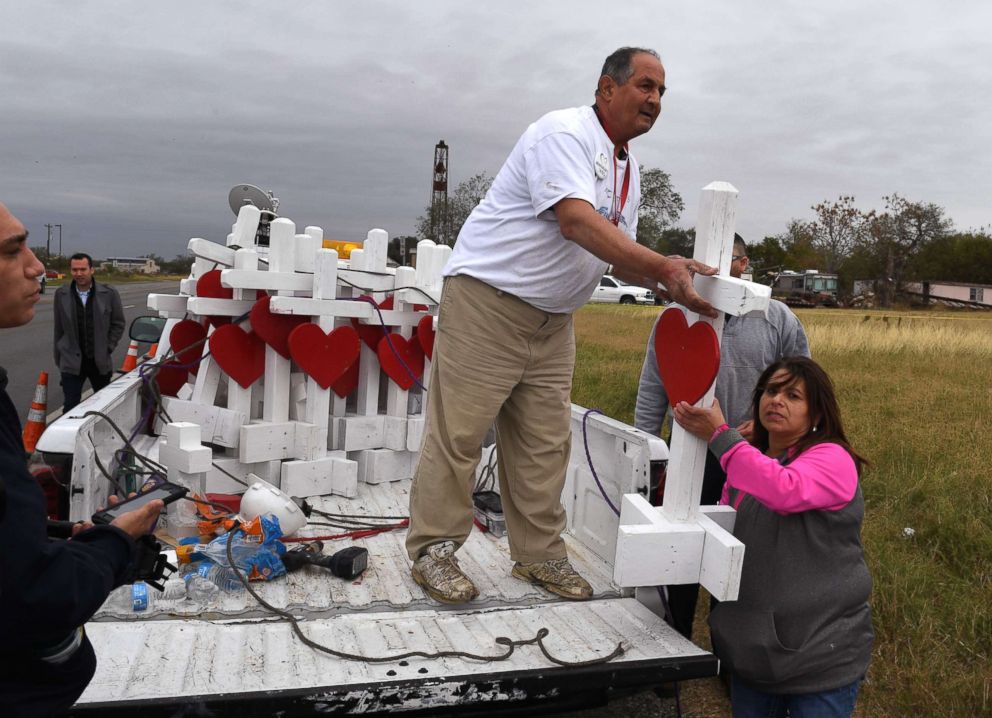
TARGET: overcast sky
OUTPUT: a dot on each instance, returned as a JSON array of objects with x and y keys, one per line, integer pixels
[{"x": 129, "y": 122}]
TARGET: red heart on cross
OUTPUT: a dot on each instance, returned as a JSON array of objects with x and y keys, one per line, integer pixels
[
  {"x": 274, "y": 329},
  {"x": 171, "y": 377},
  {"x": 241, "y": 355},
  {"x": 372, "y": 334},
  {"x": 187, "y": 339},
  {"x": 208, "y": 285},
  {"x": 399, "y": 358},
  {"x": 425, "y": 335},
  {"x": 325, "y": 357},
  {"x": 348, "y": 381},
  {"x": 688, "y": 357}
]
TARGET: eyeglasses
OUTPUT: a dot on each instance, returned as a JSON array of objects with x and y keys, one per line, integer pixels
[{"x": 738, "y": 257}]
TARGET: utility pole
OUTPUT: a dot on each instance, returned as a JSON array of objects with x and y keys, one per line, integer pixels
[{"x": 60, "y": 238}]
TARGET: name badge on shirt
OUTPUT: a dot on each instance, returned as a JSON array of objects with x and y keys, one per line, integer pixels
[{"x": 601, "y": 166}]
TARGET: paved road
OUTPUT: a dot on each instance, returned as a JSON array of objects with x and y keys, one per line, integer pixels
[{"x": 26, "y": 351}]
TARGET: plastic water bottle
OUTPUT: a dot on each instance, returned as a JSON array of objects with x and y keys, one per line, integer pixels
[
  {"x": 224, "y": 577},
  {"x": 205, "y": 580},
  {"x": 174, "y": 589},
  {"x": 129, "y": 598},
  {"x": 200, "y": 590}
]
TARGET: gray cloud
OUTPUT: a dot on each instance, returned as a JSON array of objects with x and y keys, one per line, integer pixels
[{"x": 129, "y": 123}]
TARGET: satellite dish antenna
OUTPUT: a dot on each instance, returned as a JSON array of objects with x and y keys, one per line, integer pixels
[{"x": 243, "y": 194}]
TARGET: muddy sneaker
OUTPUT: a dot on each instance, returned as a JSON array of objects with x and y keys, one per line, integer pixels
[
  {"x": 557, "y": 576},
  {"x": 437, "y": 572}
]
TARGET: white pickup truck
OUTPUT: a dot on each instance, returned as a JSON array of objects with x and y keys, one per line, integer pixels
[
  {"x": 349, "y": 456},
  {"x": 615, "y": 291}
]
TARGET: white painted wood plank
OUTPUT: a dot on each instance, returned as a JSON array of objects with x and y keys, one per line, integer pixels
[
  {"x": 218, "y": 425},
  {"x": 213, "y": 307},
  {"x": 722, "y": 561},
  {"x": 211, "y": 251},
  {"x": 167, "y": 303}
]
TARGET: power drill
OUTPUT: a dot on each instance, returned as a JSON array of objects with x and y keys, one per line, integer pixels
[{"x": 348, "y": 563}]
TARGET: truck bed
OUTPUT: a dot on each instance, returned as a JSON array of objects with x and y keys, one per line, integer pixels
[{"x": 237, "y": 656}]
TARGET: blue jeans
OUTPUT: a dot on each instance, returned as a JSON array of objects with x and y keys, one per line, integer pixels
[{"x": 748, "y": 702}]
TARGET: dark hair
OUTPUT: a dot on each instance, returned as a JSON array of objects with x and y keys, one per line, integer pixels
[
  {"x": 821, "y": 402},
  {"x": 82, "y": 255},
  {"x": 618, "y": 64},
  {"x": 740, "y": 246}
]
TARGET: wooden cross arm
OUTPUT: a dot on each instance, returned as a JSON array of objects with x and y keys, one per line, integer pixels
[
  {"x": 734, "y": 296},
  {"x": 205, "y": 249}
]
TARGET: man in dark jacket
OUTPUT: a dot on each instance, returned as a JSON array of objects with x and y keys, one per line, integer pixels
[
  {"x": 89, "y": 321},
  {"x": 48, "y": 588}
]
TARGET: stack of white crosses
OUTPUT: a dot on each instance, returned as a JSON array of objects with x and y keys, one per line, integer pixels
[{"x": 324, "y": 384}]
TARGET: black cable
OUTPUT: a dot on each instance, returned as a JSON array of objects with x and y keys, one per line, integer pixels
[
  {"x": 328, "y": 514},
  {"x": 154, "y": 465},
  {"x": 99, "y": 465},
  {"x": 510, "y": 644},
  {"x": 431, "y": 299}
]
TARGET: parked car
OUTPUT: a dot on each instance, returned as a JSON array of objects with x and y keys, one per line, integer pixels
[
  {"x": 615, "y": 291},
  {"x": 53, "y": 274}
]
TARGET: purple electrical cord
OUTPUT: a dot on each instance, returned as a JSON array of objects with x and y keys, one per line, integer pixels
[
  {"x": 585, "y": 443},
  {"x": 389, "y": 341}
]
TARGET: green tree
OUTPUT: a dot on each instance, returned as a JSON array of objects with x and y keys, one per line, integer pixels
[
  {"x": 766, "y": 258},
  {"x": 180, "y": 265},
  {"x": 675, "y": 240},
  {"x": 800, "y": 246},
  {"x": 660, "y": 208},
  {"x": 962, "y": 257},
  {"x": 461, "y": 202}
]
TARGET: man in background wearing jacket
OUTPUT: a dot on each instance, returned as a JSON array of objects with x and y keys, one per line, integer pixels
[{"x": 89, "y": 321}]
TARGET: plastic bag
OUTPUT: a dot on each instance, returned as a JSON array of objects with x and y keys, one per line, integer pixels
[{"x": 256, "y": 549}]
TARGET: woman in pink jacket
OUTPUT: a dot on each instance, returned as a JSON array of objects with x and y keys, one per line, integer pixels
[{"x": 798, "y": 639}]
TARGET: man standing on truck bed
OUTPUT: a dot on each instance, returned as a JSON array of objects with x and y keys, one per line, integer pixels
[
  {"x": 561, "y": 210},
  {"x": 89, "y": 321},
  {"x": 48, "y": 588}
]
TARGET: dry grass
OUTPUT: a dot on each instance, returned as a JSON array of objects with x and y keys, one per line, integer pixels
[{"x": 916, "y": 393}]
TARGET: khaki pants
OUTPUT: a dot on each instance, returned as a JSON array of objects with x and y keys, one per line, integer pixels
[{"x": 495, "y": 357}]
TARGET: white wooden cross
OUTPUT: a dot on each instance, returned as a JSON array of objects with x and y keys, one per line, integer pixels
[
  {"x": 431, "y": 259},
  {"x": 322, "y": 472},
  {"x": 384, "y": 445},
  {"x": 187, "y": 462},
  {"x": 197, "y": 405},
  {"x": 276, "y": 437},
  {"x": 681, "y": 541},
  {"x": 367, "y": 269}
]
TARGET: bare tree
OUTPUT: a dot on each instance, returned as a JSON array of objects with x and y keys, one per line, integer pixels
[
  {"x": 839, "y": 227},
  {"x": 462, "y": 201},
  {"x": 898, "y": 234}
]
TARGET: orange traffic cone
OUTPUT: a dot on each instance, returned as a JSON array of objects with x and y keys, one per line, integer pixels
[
  {"x": 152, "y": 351},
  {"x": 131, "y": 360},
  {"x": 36, "y": 417}
]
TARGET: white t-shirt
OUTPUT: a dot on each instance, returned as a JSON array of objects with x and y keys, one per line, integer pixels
[{"x": 512, "y": 240}]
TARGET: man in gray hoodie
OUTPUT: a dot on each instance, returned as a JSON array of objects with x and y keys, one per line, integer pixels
[{"x": 749, "y": 344}]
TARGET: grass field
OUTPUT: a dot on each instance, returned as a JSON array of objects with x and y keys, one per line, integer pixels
[{"x": 916, "y": 393}]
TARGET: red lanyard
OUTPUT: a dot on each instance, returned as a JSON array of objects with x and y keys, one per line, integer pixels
[{"x": 625, "y": 184}]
